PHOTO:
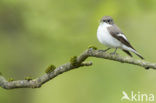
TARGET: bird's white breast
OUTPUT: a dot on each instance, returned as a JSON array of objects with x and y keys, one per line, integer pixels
[{"x": 105, "y": 37}]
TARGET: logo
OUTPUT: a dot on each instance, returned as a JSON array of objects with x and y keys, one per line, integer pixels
[{"x": 137, "y": 97}]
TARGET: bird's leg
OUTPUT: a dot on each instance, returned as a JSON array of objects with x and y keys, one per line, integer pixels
[
  {"x": 114, "y": 51},
  {"x": 104, "y": 50}
]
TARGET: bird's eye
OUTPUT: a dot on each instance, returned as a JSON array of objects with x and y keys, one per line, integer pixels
[
  {"x": 103, "y": 20},
  {"x": 108, "y": 20}
]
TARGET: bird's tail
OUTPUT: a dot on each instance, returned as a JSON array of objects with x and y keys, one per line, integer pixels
[
  {"x": 137, "y": 54},
  {"x": 127, "y": 52}
]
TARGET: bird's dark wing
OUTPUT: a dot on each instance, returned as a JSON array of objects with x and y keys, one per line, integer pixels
[{"x": 116, "y": 33}]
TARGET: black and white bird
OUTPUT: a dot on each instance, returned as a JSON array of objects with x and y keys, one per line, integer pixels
[{"x": 111, "y": 36}]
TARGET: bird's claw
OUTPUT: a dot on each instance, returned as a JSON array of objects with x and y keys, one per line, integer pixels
[{"x": 104, "y": 50}]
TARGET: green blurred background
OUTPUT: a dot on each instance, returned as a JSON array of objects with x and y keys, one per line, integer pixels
[{"x": 36, "y": 33}]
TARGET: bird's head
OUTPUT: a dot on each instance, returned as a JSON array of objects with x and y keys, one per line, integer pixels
[{"x": 107, "y": 19}]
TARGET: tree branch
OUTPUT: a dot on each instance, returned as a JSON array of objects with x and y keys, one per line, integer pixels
[{"x": 75, "y": 63}]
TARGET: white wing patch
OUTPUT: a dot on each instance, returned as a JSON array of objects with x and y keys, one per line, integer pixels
[{"x": 123, "y": 36}]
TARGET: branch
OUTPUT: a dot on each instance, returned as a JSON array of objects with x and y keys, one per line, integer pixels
[{"x": 75, "y": 62}]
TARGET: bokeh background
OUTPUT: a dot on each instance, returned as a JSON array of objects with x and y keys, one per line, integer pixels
[{"x": 37, "y": 33}]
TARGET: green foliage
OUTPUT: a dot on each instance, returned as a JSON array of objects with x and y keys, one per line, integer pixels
[
  {"x": 73, "y": 60},
  {"x": 10, "y": 79},
  {"x": 0, "y": 73},
  {"x": 28, "y": 78},
  {"x": 92, "y": 47},
  {"x": 50, "y": 69}
]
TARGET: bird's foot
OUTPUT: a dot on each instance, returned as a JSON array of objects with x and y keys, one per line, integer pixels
[
  {"x": 114, "y": 53},
  {"x": 104, "y": 50}
]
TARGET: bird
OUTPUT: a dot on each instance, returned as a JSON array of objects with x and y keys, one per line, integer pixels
[{"x": 109, "y": 34}]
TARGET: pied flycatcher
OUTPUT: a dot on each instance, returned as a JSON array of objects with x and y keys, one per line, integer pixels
[{"x": 111, "y": 36}]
